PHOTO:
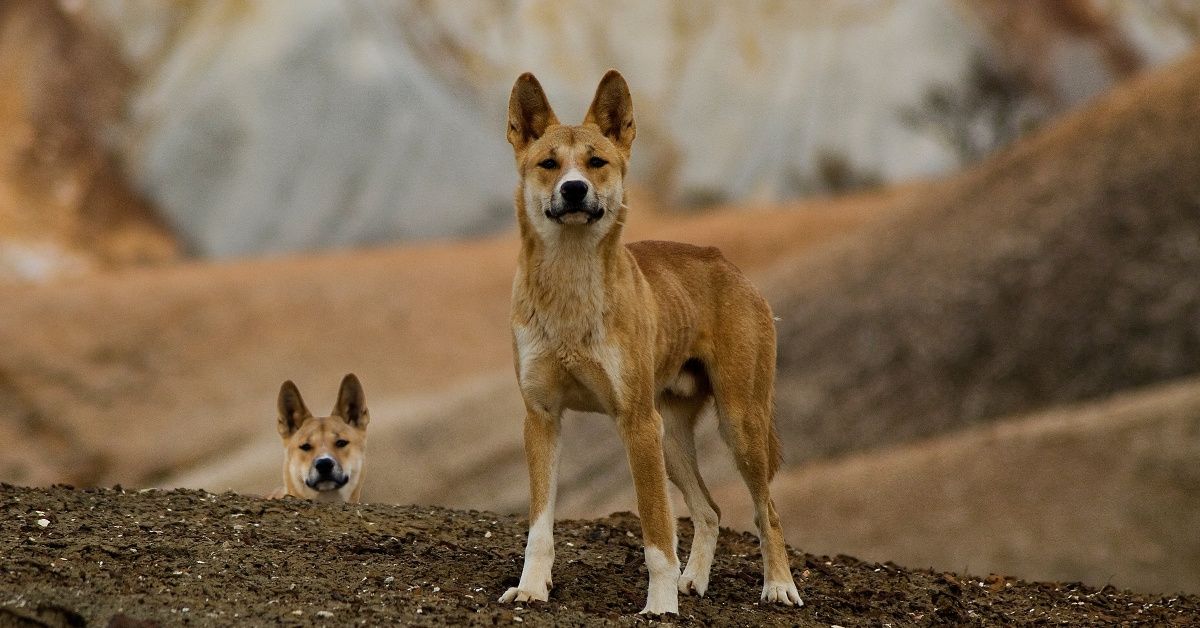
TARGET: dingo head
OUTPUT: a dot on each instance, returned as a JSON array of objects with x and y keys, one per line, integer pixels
[
  {"x": 323, "y": 458},
  {"x": 571, "y": 177}
]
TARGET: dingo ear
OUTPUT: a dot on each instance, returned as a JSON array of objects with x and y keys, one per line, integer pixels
[
  {"x": 352, "y": 403},
  {"x": 292, "y": 411},
  {"x": 529, "y": 113},
  {"x": 612, "y": 111}
]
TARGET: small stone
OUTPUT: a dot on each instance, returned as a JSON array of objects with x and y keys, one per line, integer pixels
[{"x": 43, "y": 522}]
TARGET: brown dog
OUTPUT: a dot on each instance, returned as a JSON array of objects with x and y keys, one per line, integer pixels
[
  {"x": 323, "y": 456},
  {"x": 647, "y": 333}
]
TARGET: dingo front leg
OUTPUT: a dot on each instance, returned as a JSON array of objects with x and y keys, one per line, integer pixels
[
  {"x": 541, "y": 455},
  {"x": 642, "y": 432}
]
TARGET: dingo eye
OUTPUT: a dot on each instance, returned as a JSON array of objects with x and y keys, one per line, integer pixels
[
  {"x": 342, "y": 443},
  {"x": 548, "y": 164},
  {"x": 596, "y": 162},
  {"x": 306, "y": 447}
]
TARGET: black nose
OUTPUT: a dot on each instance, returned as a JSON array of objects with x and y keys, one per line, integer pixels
[
  {"x": 323, "y": 465},
  {"x": 574, "y": 191}
]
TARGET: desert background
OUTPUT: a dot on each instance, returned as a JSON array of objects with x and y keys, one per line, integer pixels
[{"x": 978, "y": 222}]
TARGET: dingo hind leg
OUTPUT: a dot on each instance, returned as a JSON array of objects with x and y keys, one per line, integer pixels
[{"x": 743, "y": 379}]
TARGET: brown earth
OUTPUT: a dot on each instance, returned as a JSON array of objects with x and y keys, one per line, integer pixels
[
  {"x": 73, "y": 558},
  {"x": 65, "y": 206}
]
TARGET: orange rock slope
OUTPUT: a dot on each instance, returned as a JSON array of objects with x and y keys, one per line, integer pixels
[{"x": 65, "y": 207}]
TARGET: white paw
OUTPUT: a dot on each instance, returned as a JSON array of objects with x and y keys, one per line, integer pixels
[
  {"x": 783, "y": 592},
  {"x": 662, "y": 596},
  {"x": 693, "y": 583},
  {"x": 530, "y": 594},
  {"x": 661, "y": 608}
]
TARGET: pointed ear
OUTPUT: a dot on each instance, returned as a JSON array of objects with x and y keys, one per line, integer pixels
[
  {"x": 612, "y": 111},
  {"x": 292, "y": 411},
  {"x": 529, "y": 113},
  {"x": 352, "y": 403}
]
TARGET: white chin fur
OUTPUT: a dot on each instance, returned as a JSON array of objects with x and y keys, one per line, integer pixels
[{"x": 577, "y": 218}]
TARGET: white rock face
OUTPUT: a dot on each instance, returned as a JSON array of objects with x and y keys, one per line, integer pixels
[
  {"x": 292, "y": 125},
  {"x": 279, "y": 125}
]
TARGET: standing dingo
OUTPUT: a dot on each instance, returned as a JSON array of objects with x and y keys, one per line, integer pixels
[{"x": 647, "y": 333}]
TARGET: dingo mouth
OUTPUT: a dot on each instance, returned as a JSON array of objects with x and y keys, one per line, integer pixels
[
  {"x": 327, "y": 484},
  {"x": 575, "y": 215}
]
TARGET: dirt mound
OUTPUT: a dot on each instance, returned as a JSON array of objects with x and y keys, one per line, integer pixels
[
  {"x": 74, "y": 557},
  {"x": 65, "y": 206},
  {"x": 1060, "y": 270}
]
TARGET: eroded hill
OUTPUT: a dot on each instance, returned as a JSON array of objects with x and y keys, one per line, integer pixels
[{"x": 1060, "y": 270}]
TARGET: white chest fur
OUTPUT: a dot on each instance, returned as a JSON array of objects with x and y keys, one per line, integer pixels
[{"x": 574, "y": 375}]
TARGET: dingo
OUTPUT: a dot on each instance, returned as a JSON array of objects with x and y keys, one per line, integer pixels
[
  {"x": 323, "y": 456},
  {"x": 647, "y": 333}
]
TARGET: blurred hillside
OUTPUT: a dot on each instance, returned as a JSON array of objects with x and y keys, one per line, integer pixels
[
  {"x": 284, "y": 125},
  {"x": 1061, "y": 269}
]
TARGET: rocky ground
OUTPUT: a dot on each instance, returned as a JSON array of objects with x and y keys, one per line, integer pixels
[{"x": 73, "y": 557}]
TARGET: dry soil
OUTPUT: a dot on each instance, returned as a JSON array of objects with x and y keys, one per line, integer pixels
[{"x": 110, "y": 557}]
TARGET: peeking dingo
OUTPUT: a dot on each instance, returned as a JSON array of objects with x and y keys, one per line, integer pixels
[{"x": 323, "y": 456}]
